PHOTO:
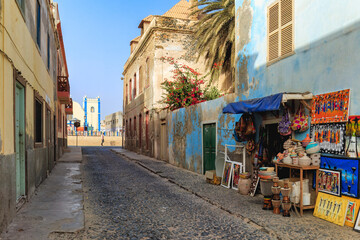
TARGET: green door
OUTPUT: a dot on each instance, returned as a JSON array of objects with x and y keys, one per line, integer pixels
[
  {"x": 20, "y": 140},
  {"x": 209, "y": 146}
]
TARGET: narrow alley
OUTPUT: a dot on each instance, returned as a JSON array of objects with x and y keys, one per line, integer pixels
[{"x": 125, "y": 201}]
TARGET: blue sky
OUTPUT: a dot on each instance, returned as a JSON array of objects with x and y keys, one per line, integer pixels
[{"x": 97, "y": 35}]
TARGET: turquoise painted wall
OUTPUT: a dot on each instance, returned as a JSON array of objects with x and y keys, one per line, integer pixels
[
  {"x": 326, "y": 59},
  {"x": 185, "y": 133}
]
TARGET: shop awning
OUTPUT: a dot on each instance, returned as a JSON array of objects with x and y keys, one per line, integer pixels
[{"x": 269, "y": 103}]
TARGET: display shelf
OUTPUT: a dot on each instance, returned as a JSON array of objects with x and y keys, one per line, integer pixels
[{"x": 301, "y": 169}]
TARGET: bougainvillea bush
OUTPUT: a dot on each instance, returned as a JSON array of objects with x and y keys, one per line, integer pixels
[{"x": 186, "y": 87}]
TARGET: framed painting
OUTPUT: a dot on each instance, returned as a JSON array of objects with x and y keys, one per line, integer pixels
[
  {"x": 349, "y": 168},
  {"x": 350, "y": 212},
  {"x": 352, "y": 143},
  {"x": 331, "y": 137},
  {"x": 254, "y": 182},
  {"x": 226, "y": 176},
  {"x": 329, "y": 181},
  {"x": 330, "y": 107},
  {"x": 331, "y": 208},
  {"x": 236, "y": 170}
]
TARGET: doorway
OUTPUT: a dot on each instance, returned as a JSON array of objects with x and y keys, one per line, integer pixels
[
  {"x": 20, "y": 140},
  {"x": 209, "y": 146},
  {"x": 48, "y": 139},
  {"x": 163, "y": 141}
]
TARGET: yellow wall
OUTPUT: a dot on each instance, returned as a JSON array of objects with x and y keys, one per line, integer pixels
[{"x": 17, "y": 43}]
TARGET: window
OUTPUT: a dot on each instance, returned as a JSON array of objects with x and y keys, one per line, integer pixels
[
  {"x": 92, "y": 109},
  {"x": 38, "y": 21},
  {"x": 38, "y": 121},
  {"x": 21, "y": 4},
  {"x": 280, "y": 30},
  {"x": 130, "y": 97},
  {"x": 48, "y": 51},
  {"x": 126, "y": 94},
  {"x": 135, "y": 85},
  {"x": 141, "y": 80},
  {"x": 147, "y": 83}
]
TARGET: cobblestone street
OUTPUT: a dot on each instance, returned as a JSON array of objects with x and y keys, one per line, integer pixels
[{"x": 125, "y": 201}]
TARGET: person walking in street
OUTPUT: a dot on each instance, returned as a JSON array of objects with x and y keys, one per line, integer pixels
[{"x": 102, "y": 139}]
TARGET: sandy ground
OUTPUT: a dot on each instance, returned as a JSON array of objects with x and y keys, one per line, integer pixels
[{"x": 94, "y": 141}]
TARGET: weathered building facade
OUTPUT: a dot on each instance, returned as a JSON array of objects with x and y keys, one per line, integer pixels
[
  {"x": 168, "y": 35},
  {"x": 29, "y": 44},
  {"x": 114, "y": 123}
]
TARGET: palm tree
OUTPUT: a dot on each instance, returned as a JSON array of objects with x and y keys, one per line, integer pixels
[{"x": 215, "y": 32}]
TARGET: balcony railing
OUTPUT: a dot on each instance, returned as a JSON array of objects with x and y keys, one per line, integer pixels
[
  {"x": 63, "y": 90},
  {"x": 69, "y": 108}
]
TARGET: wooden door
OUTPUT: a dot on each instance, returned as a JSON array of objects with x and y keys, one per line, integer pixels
[
  {"x": 20, "y": 140},
  {"x": 48, "y": 139},
  {"x": 209, "y": 146},
  {"x": 140, "y": 131}
]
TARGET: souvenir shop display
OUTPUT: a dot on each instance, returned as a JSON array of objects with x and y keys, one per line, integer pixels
[
  {"x": 350, "y": 212},
  {"x": 276, "y": 196},
  {"x": 286, "y": 204},
  {"x": 330, "y": 107},
  {"x": 254, "y": 181},
  {"x": 284, "y": 127},
  {"x": 331, "y": 208},
  {"x": 226, "y": 177},
  {"x": 244, "y": 183},
  {"x": 352, "y": 141},
  {"x": 265, "y": 187},
  {"x": 245, "y": 128},
  {"x": 236, "y": 171},
  {"x": 349, "y": 173},
  {"x": 331, "y": 137},
  {"x": 329, "y": 181},
  {"x": 301, "y": 121}
]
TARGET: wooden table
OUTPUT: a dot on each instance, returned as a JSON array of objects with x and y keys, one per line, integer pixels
[{"x": 302, "y": 169}]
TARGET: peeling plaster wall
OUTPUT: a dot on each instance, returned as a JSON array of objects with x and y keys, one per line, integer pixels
[
  {"x": 185, "y": 133},
  {"x": 326, "y": 43}
]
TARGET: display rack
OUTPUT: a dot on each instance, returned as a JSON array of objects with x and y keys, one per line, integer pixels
[{"x": 301, "y": 169}]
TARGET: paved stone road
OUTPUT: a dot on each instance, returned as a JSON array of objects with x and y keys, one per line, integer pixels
[{"x": 125, "y": 201}]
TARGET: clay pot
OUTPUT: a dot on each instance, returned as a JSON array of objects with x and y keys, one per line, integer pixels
[
  {"x": 306, "y": 140},
  {"x": 244, "y": 185}
]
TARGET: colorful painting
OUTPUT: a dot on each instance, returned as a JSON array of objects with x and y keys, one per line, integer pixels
[
  {"x": 350, "y": 212},
  {"x": 349, "y": 168},
  {"x": 331, "y": 137},
  {"x": 329, "y": 181},
  {"x": 352, "y": 139},
  {"x": 331, "y": 208},
  {"x": 330, "y": 107},
  {"x": 226, "y": 177},
  {"x": 254, "y": 182},
  {"x": 237, "y": 169}
]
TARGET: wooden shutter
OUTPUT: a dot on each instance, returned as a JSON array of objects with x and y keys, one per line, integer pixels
[
  {"x": 280, "y": 29},
  {"x": 286, "y": 26},
  {"x": 273, "y": 26}
]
